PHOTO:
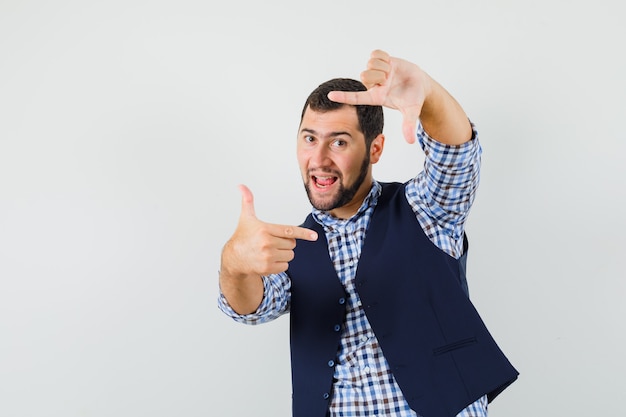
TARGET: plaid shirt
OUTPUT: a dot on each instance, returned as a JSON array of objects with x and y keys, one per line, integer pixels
[{"x": 441, "y": 196}]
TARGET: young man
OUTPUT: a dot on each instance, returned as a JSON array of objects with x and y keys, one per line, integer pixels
[{"x": 374, "y": 280}]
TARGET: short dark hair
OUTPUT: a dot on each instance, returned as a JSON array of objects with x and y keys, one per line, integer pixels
[{"x": 370, "y": 118}]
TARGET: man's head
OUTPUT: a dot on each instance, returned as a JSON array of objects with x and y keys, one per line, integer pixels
[
  {"x": 371, "y": 118},
  {"x": 337, "y": 143}
]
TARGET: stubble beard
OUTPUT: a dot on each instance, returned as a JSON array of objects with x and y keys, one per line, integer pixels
[{"x": 344, "y": 195}]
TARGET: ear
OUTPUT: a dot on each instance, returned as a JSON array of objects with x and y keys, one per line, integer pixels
[{"x": 376, "y": 148}]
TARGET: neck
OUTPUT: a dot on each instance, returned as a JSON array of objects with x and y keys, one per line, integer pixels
[{"x": 350, "y": 209}]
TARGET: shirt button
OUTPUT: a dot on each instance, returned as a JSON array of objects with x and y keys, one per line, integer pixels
[
  {"x": 364, "y": 338},
  {"x": 366, "y": 369},
  {"x": 351, "y": 263},
  {"x": 331, "y": 363}
]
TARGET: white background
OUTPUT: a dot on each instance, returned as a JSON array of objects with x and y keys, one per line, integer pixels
[{"x": 125, "y": 127}]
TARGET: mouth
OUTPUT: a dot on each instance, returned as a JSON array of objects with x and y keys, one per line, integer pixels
[{"x": 324, "y": 182}]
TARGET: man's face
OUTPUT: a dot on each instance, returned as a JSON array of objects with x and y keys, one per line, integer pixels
[{"x": 334, "y": 161}]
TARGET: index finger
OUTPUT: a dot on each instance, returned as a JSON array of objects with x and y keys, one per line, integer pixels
[
  {"x": 293, "y": 232},
  {"x": 353, "y": 97}
]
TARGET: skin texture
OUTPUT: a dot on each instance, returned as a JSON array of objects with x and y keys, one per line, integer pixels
[{"x": 331, "y": 152}]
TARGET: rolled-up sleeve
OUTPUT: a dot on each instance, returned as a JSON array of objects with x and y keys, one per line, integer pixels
[
  {"x": 275, "y": 303},
  {"x": 442, "y": 194}
]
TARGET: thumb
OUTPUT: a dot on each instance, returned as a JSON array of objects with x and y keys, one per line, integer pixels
[
  {"x": 409, "y": 123},
  {"x": 247, "y": 202}
]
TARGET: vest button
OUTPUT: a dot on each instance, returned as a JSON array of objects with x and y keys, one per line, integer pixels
[
  {"x": 331, "y": 363},
  {"x": 325, "y": 396},
  {"x": 337, "y": 327},
  {"x": 342, "y": 300}
]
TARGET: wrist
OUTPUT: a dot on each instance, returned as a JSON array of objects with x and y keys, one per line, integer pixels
[{"x": 230, "y": 264}]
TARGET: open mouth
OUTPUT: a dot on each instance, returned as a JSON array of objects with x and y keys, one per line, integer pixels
[{"x": 323, "y": 182}]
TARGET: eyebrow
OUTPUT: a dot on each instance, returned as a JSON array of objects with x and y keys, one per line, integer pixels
[{"x": 331, "y": 134}]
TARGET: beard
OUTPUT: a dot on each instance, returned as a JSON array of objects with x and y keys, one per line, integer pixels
[{"x": 344, "y": 194}]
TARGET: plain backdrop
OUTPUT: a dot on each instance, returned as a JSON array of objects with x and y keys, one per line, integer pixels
[{"x": 126, "y": 126}]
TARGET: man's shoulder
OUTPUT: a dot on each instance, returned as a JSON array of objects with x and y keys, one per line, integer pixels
[
  {"x": 391, "y": 190},
  {"x": 309, "y": 222},
  {"x": 392, "y": 186}
]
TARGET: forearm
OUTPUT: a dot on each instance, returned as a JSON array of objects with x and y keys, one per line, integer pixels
[
  {"x": 244, "y": 295},
  {"x": 451, "y": 175},
  {"x": 243, "y": 292},
  {"x": 275, "y": 301},
  {"x": 443, "y": 118},
  {"x": 442, "y": 194}
]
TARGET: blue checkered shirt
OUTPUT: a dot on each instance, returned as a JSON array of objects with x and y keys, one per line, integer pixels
[{"x": 441, "y": 196}]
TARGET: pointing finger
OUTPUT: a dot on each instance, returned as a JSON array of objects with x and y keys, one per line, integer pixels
[
  {"x": 294, "y": 232},
  {"x": 301, "y": 233},
  {"x": 353, "y": 97}
]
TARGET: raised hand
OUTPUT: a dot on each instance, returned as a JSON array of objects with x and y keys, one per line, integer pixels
[
  {"x": 394, "y": 83},
  {"x": 401, "y": 85}
]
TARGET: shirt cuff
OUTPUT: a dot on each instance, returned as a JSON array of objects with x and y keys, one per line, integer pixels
[
  {"x": 451, "y": 156},
  {"x": 256, "y": 317}
]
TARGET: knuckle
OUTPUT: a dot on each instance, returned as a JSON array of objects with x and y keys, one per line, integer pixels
[
  {"x": 281, "y": 267},
  {"x": 265, "y": 268},
  {"x": 265, "y": 258}
]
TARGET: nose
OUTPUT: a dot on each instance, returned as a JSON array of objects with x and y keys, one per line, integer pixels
[{"x": 320, "y": 157}]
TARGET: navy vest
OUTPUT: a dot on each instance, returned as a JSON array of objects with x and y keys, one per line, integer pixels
[{"x": 414, "y": 295}]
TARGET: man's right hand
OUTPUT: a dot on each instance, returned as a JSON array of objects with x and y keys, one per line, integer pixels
[
  {"x": 255, "y": 249},
  {"x": 259, "y": 248}
]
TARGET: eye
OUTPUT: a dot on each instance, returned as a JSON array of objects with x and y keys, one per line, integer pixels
[
  {"x": 339, "y": 143},
  {"x": 309, "y": 139}
]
